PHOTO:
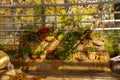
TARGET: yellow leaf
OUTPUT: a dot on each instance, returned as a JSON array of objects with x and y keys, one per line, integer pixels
[
  {"x": 63, "y": 11},
  {"x": 37, "y": 1}
]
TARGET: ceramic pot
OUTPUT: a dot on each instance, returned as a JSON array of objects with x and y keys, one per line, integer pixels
[{"x": 91, "y": 55}]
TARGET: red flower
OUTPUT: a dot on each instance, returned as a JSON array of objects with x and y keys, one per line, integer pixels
[
  {"x": 50, "y": 52},
  {"x": 43, "y": 30}
]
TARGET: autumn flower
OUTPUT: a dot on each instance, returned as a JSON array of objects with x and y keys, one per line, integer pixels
[
  {"x": 43, "y": 30},
  {"x": 50, "y": 51},
  {"x": 10, "y": 48}
]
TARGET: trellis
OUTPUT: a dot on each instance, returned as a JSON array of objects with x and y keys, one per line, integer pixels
[{"x": 15, "y": 27}]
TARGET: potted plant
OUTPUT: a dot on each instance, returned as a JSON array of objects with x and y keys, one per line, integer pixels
[
  {"x": 83, "y": 35},
  {"x": 50, "y": 54},
  {"x": 111, "y": 43},
  {"x": 26, "y": 51},
  {"x": 33, "y": 37},
  {"x": 11, "y": 50},
  {"x": 68, "y": 45},
  {"x": 43, "y": 32},
  {"x": 60, "y": 54},
  {"x": 34, "y": 55},
  {"x": 41, "y": 54},
  {"x": 91, "y": 52}
]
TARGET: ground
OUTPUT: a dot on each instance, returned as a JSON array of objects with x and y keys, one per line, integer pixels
[{"x": 59, "y": 70}]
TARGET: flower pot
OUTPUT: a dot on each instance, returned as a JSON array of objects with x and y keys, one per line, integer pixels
[
  {"x": 60, "y": 57},
  {"x": 34, "y": 56},
  {"x": 42, "y": 56},
  {"x": 50, "y": 56},
  {"x": 25, "y": 56},
  {"x": 91, "y": 55}
]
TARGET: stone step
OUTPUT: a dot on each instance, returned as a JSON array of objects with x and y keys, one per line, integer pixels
[{"x": 59, "y": 65}]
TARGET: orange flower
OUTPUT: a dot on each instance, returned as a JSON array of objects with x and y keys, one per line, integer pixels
[{"x": 6, "y": 48}]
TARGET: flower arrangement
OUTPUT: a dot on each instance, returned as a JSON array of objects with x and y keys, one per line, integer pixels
[
  {"x": 91, "y": 51},
  {"x": 6, "y": 48},
  {"x": 39, "y": 53},
  {"x": 43, "y": 32},
  {"x": 10, "y": 49},
  {"x": 50, "y": 51},
  {"x": 68, "y": 46},
  {"x": 42, "y": 52}
]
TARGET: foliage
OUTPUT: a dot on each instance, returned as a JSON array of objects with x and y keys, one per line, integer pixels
[
  {"x": 97, "y": 35},
  {"x": 10, "y": 49},
  {"x": 30, "y": 27},
  {"x": 11, "y": 52},
  {"x": 39, "y": 12},
  {"x": 40, "y": 52},
  {"x": 111, "y": 43},
  {"x": 82, "y": 34},
  {"x": 69, "y": 39},
  {"x": 29, "y": 37},
  {"x": 91, "y": 49},
  {"x": 32, "y": 36},
  {"x": 26, "y": 50},
  {"x": 1, "y": 47},
  {"x": 87, "y": 34},
  {"x": 118, "y": 48},
  {"x": 68, "y": 43},
  {"x": 78, "y": 34}
]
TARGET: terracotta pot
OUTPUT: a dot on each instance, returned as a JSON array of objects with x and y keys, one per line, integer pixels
[
  {"x": 42, "y": 56},
  {"x": 34, "y": 56},
  {"x": 74, "y": 55},
  {"x": 91, "y": 55},
  {"x": 60, "y": 57}
]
